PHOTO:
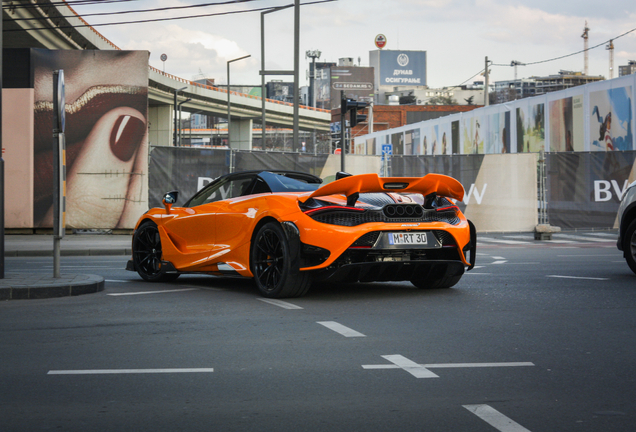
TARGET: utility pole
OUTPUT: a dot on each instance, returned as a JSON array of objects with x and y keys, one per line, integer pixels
[
  {"x": 296, "y": 74},
  {"x": 610, "y": 48},
  {"x": 486, "y": 83}
]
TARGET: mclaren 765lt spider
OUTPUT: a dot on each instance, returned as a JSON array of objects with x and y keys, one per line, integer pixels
[{"x": 285, "y": 230}]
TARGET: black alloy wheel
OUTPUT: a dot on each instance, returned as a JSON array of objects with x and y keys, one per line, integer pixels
[
  {"x": 271, "y": 264},
  {"x": 147, "y": 253}
]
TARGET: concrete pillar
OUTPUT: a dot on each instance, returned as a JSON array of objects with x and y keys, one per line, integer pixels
[
  {"x": 160, "y": 125},
  {"x": 241, "y": 131}
]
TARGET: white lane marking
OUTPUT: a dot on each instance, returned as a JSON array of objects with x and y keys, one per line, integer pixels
[
  {"x": 511, "y": 242},
  {"x": 417, "y": 370},
  {"x": 528, "y": 237},
  {"x": 498, "y": 258},
  {"x": 88, "y": 267},
  {"x": 581, "y": 255},
  {"x": 577, "y": 277},
  {"x": 499, "y": 262},
  {"x": 495, "y": 418},
  {"x": 152, "y": 292},
  {"x": 128, "y": 371},
  {"x": 422, "y": 370},
  {"x": 339, "y": 328},
  {"x": 279, "y": 303},
  {"x": 579, "y": 238},
  {"x": 610, "y": 235}
]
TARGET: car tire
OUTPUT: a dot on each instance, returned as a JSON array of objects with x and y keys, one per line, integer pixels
[
  {"x": 271, "y": 264},
  {"x": 629, "y": 246},
  {"x": 146, "y": 248},
  {"x": 440, "y": 282}
]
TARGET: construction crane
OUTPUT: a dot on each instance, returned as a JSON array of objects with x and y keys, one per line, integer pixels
[
  {"x": 610, "y": 48},
  {"x": 585, "y": 36},
  {"x": 516, "y": 63}
]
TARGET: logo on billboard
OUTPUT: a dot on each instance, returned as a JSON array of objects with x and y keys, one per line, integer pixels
[
  {"x": 352, "y": 86},
  {"x": 403, "y": 59}
]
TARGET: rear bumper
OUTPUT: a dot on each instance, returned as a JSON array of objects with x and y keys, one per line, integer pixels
[{"x": 390, "y": 271}]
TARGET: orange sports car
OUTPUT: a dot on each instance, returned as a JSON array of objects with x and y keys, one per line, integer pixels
[{"x": 285, "y": 230}]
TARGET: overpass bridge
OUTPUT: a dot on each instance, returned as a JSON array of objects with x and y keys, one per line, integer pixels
[{"x": 53, "y": 25}]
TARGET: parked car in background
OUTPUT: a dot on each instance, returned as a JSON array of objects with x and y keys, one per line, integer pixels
[{"x": 627, "y": 226}]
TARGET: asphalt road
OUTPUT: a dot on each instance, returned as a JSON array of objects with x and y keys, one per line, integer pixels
[{"x": 540, "y": 337}]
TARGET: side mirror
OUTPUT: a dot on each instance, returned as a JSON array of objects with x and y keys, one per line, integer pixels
[
  {"x": 342, "y": 174},
  {"x": 168, "y": 199}
]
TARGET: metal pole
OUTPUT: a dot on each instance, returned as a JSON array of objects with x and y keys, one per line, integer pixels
[
  {"x": 229, "y": 113},
  {"x": 263, "y": 125},
  {"x": 175, "y": 106},
  {"x": 1, "y": 171},
  {"x": 343, "y": 127},
  {"x": 59, "y": 157},
  {"x": 296, "y": 72},
  {"x": 486, "y": 84}
]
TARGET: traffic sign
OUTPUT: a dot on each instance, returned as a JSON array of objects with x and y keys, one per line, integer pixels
[{"x": 387, "y": 149}]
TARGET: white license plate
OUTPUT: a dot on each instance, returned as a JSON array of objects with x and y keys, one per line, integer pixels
[{"x": 407, "y": 238}]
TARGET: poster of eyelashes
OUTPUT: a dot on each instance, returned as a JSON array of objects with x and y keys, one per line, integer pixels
[{"x": 106, "y": 136}]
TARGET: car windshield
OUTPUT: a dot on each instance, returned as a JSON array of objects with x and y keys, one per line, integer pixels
[{"x": 281, "y": 183}]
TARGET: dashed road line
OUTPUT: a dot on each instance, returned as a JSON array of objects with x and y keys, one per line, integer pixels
[
  {"x": 579, "y": 238},
  {"x": 503, "y": 241},
  {"x": 577, "y": 277},
  {"x": 422, "y": 370},
  {"x": 495, "y": 419},
  {"x": 151, "y": 292},
  {"x": 339, "y": 328},
  {"x": 128, "y": 371},
  {"x": 279, "y": 303}
]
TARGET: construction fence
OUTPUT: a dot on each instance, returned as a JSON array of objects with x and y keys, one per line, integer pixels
[{"x": 503, "y": 192}]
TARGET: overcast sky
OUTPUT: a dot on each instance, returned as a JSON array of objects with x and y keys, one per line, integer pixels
[{"x": 456, "y": 34}]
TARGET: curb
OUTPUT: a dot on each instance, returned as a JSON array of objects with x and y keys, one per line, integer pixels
[{"x": 26, "y": 286}]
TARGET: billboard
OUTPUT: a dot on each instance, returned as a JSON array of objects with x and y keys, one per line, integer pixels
[
  {"x": 106, "y": 136},
  {"x": 356, "y": 82},
  {"x": 395, "y": 68}
]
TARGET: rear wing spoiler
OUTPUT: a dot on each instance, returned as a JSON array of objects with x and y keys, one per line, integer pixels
[{"x": 365, "y": 183}]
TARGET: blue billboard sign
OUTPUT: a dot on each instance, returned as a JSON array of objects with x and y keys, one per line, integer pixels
[{"x": 395, "y": 68}]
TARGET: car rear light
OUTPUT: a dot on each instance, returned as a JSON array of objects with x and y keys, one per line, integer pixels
[{"x": 332, "y": 208}]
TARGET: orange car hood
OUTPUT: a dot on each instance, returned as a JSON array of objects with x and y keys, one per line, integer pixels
[{"x": 365, "y": 183}]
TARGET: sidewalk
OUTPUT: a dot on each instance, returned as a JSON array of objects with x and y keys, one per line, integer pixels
[{"x": 25, "y": 286}]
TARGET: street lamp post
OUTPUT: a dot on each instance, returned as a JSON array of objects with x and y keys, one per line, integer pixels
[
  {"x": 313, "y": 55},
  {"x": 229, "y": 110}
]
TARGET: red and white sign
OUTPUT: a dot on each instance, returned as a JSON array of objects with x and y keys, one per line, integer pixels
[
  {"x": 380, "y": 41},
  {"x": 337, "y": 151}
]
